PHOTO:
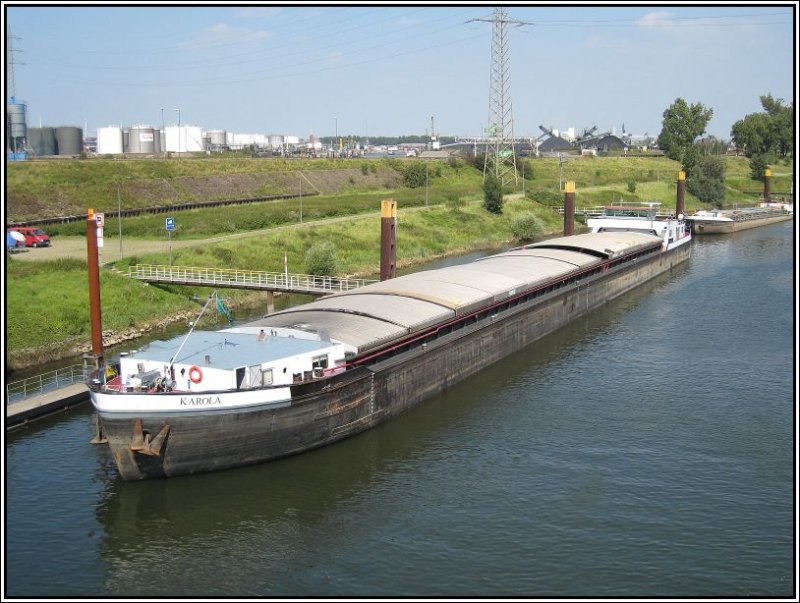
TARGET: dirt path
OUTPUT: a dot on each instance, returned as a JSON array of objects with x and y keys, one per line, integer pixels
[{"x": 75, "y": 247}]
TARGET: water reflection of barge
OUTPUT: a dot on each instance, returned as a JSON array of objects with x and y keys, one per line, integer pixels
[{"x": 314, "y": 374}]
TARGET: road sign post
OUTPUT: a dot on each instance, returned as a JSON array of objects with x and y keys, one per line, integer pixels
[
  {"x": 170, "y": 226},
  {"x": 99, "y": 220}
]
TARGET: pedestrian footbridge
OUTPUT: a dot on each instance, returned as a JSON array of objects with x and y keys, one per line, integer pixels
[{"x": 245, "y": 279}]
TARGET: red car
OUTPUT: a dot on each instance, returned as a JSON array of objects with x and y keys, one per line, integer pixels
[{"x": 34, "y": 237}]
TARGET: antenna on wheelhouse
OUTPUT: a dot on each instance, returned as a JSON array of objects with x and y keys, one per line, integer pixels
[{"x": 185, "y": 339}]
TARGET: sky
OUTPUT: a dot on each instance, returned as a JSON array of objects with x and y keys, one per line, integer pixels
[{"x": 389, "y": 69}]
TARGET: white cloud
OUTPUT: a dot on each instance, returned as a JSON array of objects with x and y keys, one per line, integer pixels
[
  {"x": 658, "y": 19},
  {"x": 222, "y": 34}
]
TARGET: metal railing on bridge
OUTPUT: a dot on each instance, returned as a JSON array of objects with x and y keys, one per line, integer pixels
[
  {"x": 245, "y": 279},
  {"x": 39, "y": 384}
]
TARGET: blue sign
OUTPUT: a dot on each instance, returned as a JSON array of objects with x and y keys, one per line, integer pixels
[{"x": 170, "y": 223}]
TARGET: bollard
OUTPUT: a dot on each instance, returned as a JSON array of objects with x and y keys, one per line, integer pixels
[
  {"x": 680, "y": 207},
  {"x": 95, "y": 311},
  {"x": 388, "y": 238},
  {"x": 569, "y": 208}
]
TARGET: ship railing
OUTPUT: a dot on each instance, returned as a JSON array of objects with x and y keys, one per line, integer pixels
[
  {"x": 45, "y": 382},
  {"x": 247, "y": 279},
  {"x": 598, "y": 211}
]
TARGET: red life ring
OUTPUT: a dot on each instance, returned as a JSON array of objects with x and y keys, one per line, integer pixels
[{"x": 195, "y": 374}]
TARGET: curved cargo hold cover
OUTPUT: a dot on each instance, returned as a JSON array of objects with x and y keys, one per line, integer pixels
[
  {"x": 602, "y": 244},
  {"x": 380, "y": 313}
]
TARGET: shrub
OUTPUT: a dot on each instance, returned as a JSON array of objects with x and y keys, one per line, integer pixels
[
  {"x": 453, "y": 201},
  {"x": 492, "y": 194},
  {"x": 321, "y": 259},
  {"x": 632, "y": 186},
  {"x": 414, "y": 174},
  {"x": 526, "y": 227}
]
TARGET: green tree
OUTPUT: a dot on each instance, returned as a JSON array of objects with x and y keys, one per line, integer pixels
[
  {"x": 321, "y": 259},
  {"x": 492, "y": 194},
  {"x": 770, "y": 132},
  {"x": 682, "y": 125},
  {"x": 691, "y": 157},
  {"x": 758, "y": 167},
  {"x": 707, "y": 180}
]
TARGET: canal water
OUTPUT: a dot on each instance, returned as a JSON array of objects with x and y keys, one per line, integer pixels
[{"x": 644, "y": 451}]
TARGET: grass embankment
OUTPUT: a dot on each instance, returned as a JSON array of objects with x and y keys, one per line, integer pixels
[
  {"x": 46, "y": 303},
  {"x": 39, "y": 189}
]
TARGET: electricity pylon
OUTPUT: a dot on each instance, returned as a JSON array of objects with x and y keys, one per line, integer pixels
[{"x": 500, "y": 156}]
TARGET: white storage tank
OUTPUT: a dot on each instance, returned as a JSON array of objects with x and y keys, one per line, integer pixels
[
  {"x": 109, "y": 140},
  {"x": 275, "y": 141},
  {"x": 193, "y": 142},
  {"x": 171, "y": 138},
  {"x": 217, "y": 138},
  {"x": 184, "y": 139}
]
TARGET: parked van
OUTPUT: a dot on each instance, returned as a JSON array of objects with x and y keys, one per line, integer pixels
[{"x": 34, "y": 237}]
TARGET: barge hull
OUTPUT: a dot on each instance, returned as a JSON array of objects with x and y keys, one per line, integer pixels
[
  {"x": 716, "y": 227},
  {"x": 329, "y": 410}
]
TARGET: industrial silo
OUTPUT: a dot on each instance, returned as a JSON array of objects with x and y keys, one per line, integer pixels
[
  {"x": 192, "y": 141},
  {"x": 69, "y": 140},
  {"x": 157, "y": 141},
  {"x": 109, "y": 140},
  {"x": 217, "y": 139},
  {"x": 42, "y": 141},
  {"x": 276, "y": 141},
  {"x": 141, "y": 139},
  {"x": 35, "y": 140},
  {"x": 17, "y": 131},
  {"x": 171, "y": 139}
]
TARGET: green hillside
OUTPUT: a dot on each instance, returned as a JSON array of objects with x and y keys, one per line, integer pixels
[{"x": 46, "y": 313}]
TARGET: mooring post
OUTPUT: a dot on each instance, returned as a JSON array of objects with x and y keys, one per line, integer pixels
[
  {"x": 767, "y": 179},
  {"x": 95, "y": 311},
  {"x": 680, "y": 207},
  {"x": 388, "y": 238},
  {"x": 569, "y": 208}
]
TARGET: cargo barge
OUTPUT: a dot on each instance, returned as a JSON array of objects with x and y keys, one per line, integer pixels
[
  {"x": 314, "y": 374},
  {"x": 726, "y": 221}
]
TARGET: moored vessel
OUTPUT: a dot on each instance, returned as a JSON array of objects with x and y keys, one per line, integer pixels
[
  {"x": 311, "y": 375},
  {"x": 644, "y": 218},
  {"x": 316, "y": 373},
  {"x": 726, "y": 221}
]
